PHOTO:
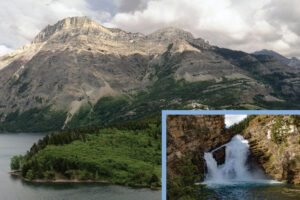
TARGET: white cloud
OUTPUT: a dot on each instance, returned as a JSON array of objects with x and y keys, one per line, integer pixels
[
  {"x": 21, "y": 20},
  {"x": 237, "y": 24},
  {"x": 233, "y": 119},
  {"x": 4, "y": 50}
]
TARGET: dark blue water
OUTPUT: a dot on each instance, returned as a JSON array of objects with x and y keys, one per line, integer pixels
[{"x": 15, "y": 189}]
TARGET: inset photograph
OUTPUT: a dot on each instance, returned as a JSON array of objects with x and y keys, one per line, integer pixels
[{"x": 234, "y": 156}]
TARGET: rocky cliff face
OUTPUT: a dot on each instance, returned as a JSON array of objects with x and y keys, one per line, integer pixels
[
  {"x": 76, "y": 62},
  {"x": 275, "y": 145},
  {"x": 188, "y": 137}
]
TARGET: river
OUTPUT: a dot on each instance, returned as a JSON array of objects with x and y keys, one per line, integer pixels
[{"x": 15, "y": 189}]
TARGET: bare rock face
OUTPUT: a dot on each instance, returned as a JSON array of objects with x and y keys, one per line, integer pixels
[
  {"x": 191, "y": 136},
  {"x": 171, "y": 33},
  {"x": 274, "y": 144},
  {"x": 76, "y": 62}
]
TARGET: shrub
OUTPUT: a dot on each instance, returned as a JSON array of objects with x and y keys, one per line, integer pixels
[
  {"x": 30, "y": 175},
  {"x": 16, "y": 162},
  {"x": 49, "y": 175},
  {"x": 277, "y": 133}
]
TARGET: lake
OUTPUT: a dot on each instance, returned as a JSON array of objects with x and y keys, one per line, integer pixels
[{"x": 14, "y": 189}]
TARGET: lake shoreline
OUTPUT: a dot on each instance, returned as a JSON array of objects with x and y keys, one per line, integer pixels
[{"x": 58, "y": 181}]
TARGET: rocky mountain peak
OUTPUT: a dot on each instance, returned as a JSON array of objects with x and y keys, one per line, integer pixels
[
  {"x": 292, "y": 62},
  {"x": 184, "y": 39},
  {"x": 273, "y": 54},
  {"x": 70, "y": 24},
  {"x": 268, "y": 52},
  {"x": 265, "y": 51},
  {"x": 171, "y": 33}
]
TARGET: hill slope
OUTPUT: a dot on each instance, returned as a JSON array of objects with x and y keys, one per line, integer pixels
[{"x": 77, "y": 73}]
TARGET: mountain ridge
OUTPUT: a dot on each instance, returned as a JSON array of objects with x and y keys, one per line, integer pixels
[
  {"x": 73, "y": 66},
  {"x": 65, "y": 24},
  {"x": 293, "y": 62}
]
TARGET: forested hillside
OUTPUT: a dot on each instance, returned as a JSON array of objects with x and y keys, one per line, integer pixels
[{"x": 128, "y": 154}]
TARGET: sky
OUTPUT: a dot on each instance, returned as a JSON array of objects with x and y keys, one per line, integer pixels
[
  {"x": 247, "y": 25},
  {"x": 233, "y": 119}
]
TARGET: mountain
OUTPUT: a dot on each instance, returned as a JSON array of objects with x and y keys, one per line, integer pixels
[
  {"x": 273, "y": 54},
  {"x": 78, "y": 73},
  {"x": 293, "y": 62}
]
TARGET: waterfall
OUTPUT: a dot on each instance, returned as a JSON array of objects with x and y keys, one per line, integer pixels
[{"x": 235, "y": 168}]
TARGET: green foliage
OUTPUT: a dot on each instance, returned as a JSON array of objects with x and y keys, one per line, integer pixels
[
  {"x": 34, "y": 120},
  {"x": 272, "y": 105},
  {"x": 60, "y": 138},
  {"x": 108, "y": 106},
  {"x": 12, "y": 116},
  {"x": 16, "y": 162},
  {"x": 241, "y": 126},
  {"x": 296, "y": 120},
  {"x": 113, "y": 111},
  {"x": 166, "y": 93},
  {"x": 80, "y": 119},
  {"x": 121, "y": 156},
  {"x": 278, "y": 135},
  {"x": 183, "y": 186},
  {"x": 30, "y": 175},
  {"x": 106, "y": 110},
  {"x": 49, "y": 175}
]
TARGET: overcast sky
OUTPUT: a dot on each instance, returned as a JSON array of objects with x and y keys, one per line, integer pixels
[
  {"x": 233, "y": 119},
  {"x": 247, "y": 25}
]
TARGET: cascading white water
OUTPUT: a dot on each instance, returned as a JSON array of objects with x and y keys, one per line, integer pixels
[{"x": 235, "y": 169}]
